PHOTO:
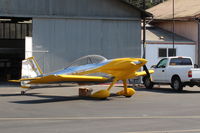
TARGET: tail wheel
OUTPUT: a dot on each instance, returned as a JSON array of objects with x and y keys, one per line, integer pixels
[
  {"x": 176, "y": 84},
  {"x": 23, "y": 92},
  {"x": 147, "y": 82}
]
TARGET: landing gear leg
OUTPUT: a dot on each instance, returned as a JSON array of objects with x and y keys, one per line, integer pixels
[
  {"x": 103, "y": 94},
  {"x": 111, "y": 85},
  {"x": 24, "y": 91},
  {"x": 127, "y": 92},
  {"x": 125, "y": 87}
]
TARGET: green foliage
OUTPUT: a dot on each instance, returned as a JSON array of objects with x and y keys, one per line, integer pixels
[{"x": 148, "y": 3}]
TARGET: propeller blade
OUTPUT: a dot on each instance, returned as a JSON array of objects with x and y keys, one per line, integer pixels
[{"x": 146, "y": 70}]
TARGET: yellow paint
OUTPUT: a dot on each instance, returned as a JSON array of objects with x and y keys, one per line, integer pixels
[
  {"x": 143, "y": 73},
  {"x": 40, "y": 70},
  {"x": 130, "y": 92},
  {"x": 25, "y": 87},
  {"x": 102, "y": 94},
  {"x": 15, "y": 81},
  {"x": 66, "y": 78},
  {"x": 125, "y": 87},
  {"x": 111, "y": 85},
  {"x": 121, "y": 68}
]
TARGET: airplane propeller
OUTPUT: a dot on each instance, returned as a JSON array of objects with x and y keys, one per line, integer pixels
[{"x": 146, "y": 70}]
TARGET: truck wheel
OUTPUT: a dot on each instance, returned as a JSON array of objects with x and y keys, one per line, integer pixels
[
  {"x": 147, "y": 82},
  {"x": 176, "y": 84}
]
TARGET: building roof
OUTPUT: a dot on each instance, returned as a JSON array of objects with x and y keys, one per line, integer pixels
[
  {"x": 184, "y": 9},
  {"x": 87, "y": 9},
  {"x": 155, "y": 35}
]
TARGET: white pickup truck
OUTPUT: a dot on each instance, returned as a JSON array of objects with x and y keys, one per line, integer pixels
[{"x": 175, "y": 71}]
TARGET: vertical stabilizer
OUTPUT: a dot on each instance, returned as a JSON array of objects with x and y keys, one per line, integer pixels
[{"x": 30, "y": 69}]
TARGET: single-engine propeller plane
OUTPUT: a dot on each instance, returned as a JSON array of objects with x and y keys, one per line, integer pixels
[{"x": 91, "y": 69}]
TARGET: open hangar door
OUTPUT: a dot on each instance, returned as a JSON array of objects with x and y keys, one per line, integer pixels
[{"x": 12, "y": 45}]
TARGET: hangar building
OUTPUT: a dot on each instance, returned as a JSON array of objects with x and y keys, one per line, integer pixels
[{"x": 57, "y": 32}]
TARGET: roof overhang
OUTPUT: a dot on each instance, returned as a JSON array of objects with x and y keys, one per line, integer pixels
[{"x": 15, "y": 20}]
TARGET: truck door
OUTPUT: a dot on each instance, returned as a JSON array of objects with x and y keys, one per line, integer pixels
[{"x": 160, "y": 71}]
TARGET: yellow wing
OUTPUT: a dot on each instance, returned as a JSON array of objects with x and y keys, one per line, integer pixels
[
  {"x": 67, "y": 78},
  {"x": 142, "y": 73}
]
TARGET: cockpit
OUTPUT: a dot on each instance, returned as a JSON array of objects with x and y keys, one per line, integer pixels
[
  {"x": 83, "y": 64},
  {"x": 89, "y": 59}
]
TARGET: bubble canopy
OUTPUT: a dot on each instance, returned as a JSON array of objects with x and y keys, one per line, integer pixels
[{"x": 89, "y": 59}]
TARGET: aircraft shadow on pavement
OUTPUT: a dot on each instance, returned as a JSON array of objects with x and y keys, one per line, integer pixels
[
  {"x": 167, "y": 90},
  {"x": 51, "y": 99},
  {"x": 16, "y": 94}
]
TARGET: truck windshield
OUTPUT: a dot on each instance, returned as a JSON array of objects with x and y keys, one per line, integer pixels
[{"x": 180, "y": 61}]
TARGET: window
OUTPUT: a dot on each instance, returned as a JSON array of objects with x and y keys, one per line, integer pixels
[
  {"x": 171, "y": 51},
  {"x": 162, "y": 63},
  {"x": 162, "y": 52},
  {"x": 181, "y": 61},
  {"x": 166, "y": 52}
]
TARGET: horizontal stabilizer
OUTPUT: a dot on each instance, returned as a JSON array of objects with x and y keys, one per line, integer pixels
[
  {"x": 15, "y": 81},
  {"x": 25, "y": 79}
]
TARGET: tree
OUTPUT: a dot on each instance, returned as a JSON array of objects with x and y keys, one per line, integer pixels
[{"x": 148, "y": 3}]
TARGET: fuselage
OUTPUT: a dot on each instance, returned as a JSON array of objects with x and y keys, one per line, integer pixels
[{"x": 120, "y": 68}]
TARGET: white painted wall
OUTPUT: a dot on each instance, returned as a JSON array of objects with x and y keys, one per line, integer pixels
[
  {"x": 28, "y": 47},
  {"x": 181, "y": 50}
]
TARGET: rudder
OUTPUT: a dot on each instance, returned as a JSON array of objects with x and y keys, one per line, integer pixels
[{"x": 30, "y": 69}]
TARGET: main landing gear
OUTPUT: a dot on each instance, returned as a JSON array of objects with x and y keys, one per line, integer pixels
[
  {"x": 127, "y": 92},
  {"x": 103, "y": 94}
]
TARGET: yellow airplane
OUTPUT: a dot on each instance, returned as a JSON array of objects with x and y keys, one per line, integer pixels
[{"x": 86, "y": 70}]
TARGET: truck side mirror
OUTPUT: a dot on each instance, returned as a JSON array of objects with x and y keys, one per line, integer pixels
[{"x": 153, "y": 66}]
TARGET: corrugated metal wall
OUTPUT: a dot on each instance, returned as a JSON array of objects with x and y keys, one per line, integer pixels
[
  {"x": 66, "y": 8},
  {"x": 69, "y": 39}
]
